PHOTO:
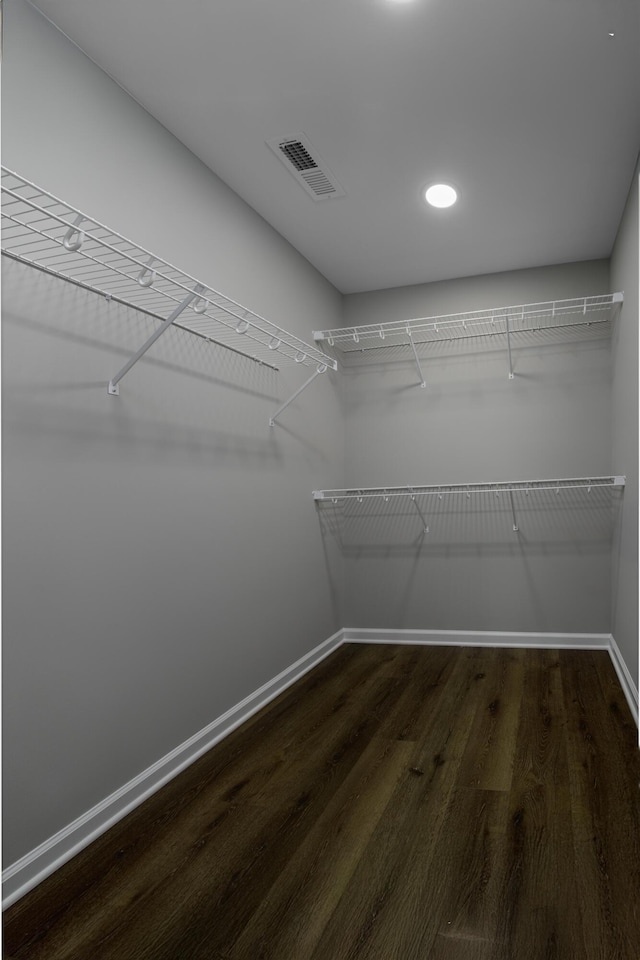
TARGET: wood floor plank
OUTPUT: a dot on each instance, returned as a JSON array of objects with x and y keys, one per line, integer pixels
[
  {"x": 462, "y": 948},
  {"x": 455, "y": 893},
  {"x": 385, "y": 911},
  {"x": 292, "y": 918},
  {"x": 624, "y": 726},
  {"x": 218, "y": 903},
  {"x": 605, "y": 806},
  {"x": 489, "y": 756},
  {"x": 399, "y": 803},
  {"x": 469, "y": 871},
  {"x": 425, "y": 677},
  {"x": 541, "y": 916}
]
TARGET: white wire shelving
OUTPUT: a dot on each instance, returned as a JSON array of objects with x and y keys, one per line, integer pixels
[
  {"x": 493, "y": 488},
  {"x": 44, "y": 232},
  {"x": 505, "y": 322}
]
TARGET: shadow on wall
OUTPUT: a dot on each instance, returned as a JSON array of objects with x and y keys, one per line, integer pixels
[
  {"x": 472, "y": 570},
  {"x": 61, "y": 346},
  {"x": 474, "y": 371},
  {"x": 65, "y": 312},
  {"x": 449, "y": 524}
]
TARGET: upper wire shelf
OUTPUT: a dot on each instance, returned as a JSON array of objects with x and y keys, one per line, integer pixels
[
  {"x": 479, "y": 323},
  {"x": 47, "y": 233}
]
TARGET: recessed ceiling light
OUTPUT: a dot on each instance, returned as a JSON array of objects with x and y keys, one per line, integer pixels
[{"x": 441, "y": 195}]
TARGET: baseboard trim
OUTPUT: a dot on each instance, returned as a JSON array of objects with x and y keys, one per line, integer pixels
[
  {"x": 626, "y": 680},
  {"x": 26, "y": 873},
  {"x": 480, "y": 638}
]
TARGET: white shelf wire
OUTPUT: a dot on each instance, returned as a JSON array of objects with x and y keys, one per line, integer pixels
[
  {"x": 493, "y": 486},
  {"x": 51, "y": 235},
  {"x": 496, "y": 321},
  {"x": 469, "y": 490}
]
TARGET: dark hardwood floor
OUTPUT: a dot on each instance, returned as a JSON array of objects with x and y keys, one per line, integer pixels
[{"x": 399, "y": 803}]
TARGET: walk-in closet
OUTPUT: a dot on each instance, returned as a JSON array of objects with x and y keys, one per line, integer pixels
[{"x": 320, "y": 480}]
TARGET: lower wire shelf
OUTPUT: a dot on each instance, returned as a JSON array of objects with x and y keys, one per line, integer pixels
[{"x": 421, "y": 493}]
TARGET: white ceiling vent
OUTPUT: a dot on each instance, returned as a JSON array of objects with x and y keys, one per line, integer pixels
[{"x": 301, "y": 160}]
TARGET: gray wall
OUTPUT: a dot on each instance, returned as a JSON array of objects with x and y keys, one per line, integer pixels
[
  {"x": 624, "y": 275},
  {"x": 162, "y": 556},
  {"x": 472, "y": 424}
]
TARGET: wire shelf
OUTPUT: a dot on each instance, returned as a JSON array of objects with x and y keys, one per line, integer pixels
[
  {"x": 516, "y": 494},
  {"x": 479, "y": 323},
  {"x": 468, "y": 489},
  {"x": 49, "y": 234}
]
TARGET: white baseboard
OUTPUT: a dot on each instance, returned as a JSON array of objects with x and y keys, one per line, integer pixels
[
  {"x": 31, "y": 869},
  {"x": 476, "y": 638},
  {"x": 626, "y": 680}
]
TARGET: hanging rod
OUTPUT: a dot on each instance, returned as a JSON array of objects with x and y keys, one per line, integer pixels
[
  {"x": 43, "y": 231},
  {"x": 439, "y": 490},
  {"x": 495, "y": 321}
]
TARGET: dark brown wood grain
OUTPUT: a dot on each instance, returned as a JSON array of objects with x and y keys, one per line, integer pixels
[{"x": 398, "y": 803}]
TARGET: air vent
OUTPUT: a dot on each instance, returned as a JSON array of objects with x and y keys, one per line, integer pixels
[
  {"x": 298, "y": 155},
  {"x": 302, "y": 161}
]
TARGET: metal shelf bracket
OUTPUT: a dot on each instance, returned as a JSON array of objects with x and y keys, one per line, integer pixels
[
  {"x": 415, "y": 357},
  {"x": 321, "y": 369},
  {"x": 420, "y": 513},
  {"x": 516, "y": 528},
  {"x": 509, "y": 349},
  {"x": 113, "y": 389}
]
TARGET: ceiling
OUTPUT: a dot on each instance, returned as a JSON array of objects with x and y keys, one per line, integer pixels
[{"x": 529, "y": 107}]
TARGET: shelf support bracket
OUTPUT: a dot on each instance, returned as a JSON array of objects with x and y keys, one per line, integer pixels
[
  {"x": 113, "y": 389},
  {"x": 415, "y": 357},
  {"x": 513, "y": 513},
  {"x": 420, "y": 513},
  {"x": 506, "y": 320},
  {"x": 321, "y": 369}
]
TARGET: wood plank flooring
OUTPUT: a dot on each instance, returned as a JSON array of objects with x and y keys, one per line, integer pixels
[{"x": 399, "y": 803}]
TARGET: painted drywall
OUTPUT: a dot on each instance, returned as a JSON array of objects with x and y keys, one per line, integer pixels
[
  {"x": 624, "y": 274},
  {"x": 162, "y": 555},
  {"x": 472, "y": 424}
]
